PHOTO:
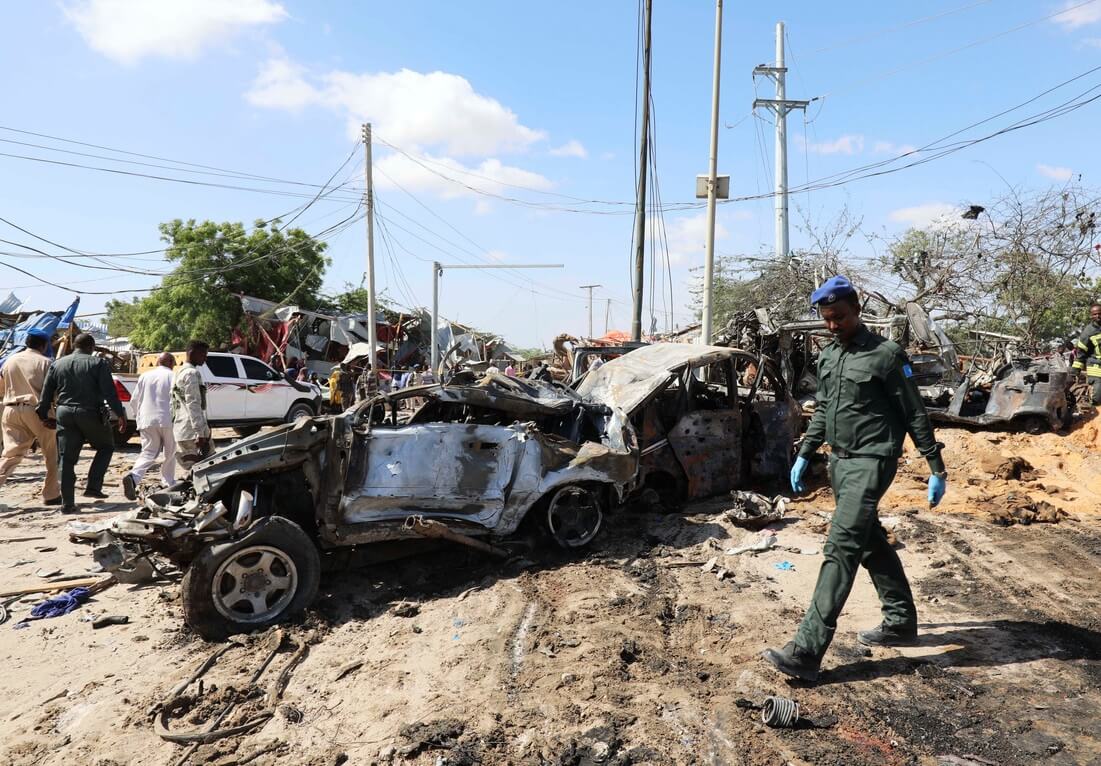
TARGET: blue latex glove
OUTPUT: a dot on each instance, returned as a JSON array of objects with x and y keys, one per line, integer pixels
[
  {"x": 937, "y": 488},
  {"x": 797, "y": 471}
]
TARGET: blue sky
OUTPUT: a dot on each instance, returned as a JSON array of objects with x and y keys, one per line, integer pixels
[{"x": 521, "y": 100}]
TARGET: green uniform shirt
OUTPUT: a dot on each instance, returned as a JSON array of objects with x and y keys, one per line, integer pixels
[
  {"x": 80, "y": 381},
  {"x": 867, "y": 402}
]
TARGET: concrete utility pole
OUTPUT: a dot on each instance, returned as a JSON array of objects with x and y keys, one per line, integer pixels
[
  {"x": 372, "y": 329},
  {"x": 712, "y": 182},
  {"x": 780, "y": 107},
  {"x": 607, "y": 315},
  {"x": 590, "y": 289},
  {"x": 437, "y": 272},
  {"x": 643, "y": 156}
]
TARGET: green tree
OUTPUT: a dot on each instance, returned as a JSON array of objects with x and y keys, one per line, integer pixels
[
  {"x": 120, "y": 317},
  {"x": 216, "y": 264}
]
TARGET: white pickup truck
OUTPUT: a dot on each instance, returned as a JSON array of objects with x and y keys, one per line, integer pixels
[{"x": 241, "y": 393}]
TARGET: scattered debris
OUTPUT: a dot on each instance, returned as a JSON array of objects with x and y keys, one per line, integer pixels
[
  {"x": 405, "y": 609},
  {"x": 1017, "y": 508},
  {"x": 111, "y": 619},
  {"x": 431, "y": 735},
  {"x": 45, "y": 573},
  {"x": 344, "y": 670},
  {"x": 755, "y": 511},
  {"x": 785, "y": 566},
  {"x": 783, "y": 713},
  {"x": 758, "y": 543},
  {"x": 1011, "y": 468}
]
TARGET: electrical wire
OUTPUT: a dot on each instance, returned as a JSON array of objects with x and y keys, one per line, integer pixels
[
  {"x": 889, "y": 30},
  {"x": 222, "y": 171}
]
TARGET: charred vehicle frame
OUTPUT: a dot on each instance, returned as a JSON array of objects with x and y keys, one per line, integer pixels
[{"x": 474, "y": 462}]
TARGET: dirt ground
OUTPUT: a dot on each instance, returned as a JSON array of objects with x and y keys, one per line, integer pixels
[{"x": 635, "y": 651}]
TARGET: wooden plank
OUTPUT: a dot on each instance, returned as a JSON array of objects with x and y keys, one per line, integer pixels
[{"x": 50, "y": 587}]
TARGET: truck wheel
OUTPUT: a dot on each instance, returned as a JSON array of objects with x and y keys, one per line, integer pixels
[
  {"x": 574, "y": 516},
  {"x": 299, "y": 410},
  {"x": 271, "y": 574}
]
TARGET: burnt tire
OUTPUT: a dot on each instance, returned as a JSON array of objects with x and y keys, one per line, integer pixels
[
  {"x": 299, "y": 410},
  {"x": 573, "y": 516},
  {"x": 269, "y": 575}
]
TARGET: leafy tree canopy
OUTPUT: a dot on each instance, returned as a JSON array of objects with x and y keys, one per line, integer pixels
[{"x": 216, "y": 263}]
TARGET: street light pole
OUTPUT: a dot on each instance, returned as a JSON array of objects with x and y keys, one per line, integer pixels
[
  {"x": 712, "y": 182},
  {"x": 437, "y": 272},
  {"x": 590, "y": 289},
  {"x": 372, "y": 328}
]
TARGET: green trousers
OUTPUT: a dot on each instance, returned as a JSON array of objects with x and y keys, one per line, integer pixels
[
  {"x": 74, "y": 428},
  {"x": 856, "y": 537}
]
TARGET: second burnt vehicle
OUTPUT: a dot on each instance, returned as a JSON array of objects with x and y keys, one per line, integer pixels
[{"x": 482, "y": 457}]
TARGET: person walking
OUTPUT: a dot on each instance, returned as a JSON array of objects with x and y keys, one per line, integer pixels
[
  {"x": 1087, "y": 357},
  {"x": 22, "y": 379},
  {"x": 189, "y": 424},
  {"x": 867, "y": 403},
  {"x": 81, "y": 382},
  {"x": 152, "y": 403}
]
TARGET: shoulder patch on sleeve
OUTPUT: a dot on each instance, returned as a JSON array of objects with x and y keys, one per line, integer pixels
[{"x": 908, "y": 371}]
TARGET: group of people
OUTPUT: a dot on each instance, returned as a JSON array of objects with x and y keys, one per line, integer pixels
[
  {"x": 351, "y": 383},
  {"x": 64, "y": 404}
]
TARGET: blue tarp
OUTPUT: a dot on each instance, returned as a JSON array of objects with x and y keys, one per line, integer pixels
[{"x": 13, "y": 340}]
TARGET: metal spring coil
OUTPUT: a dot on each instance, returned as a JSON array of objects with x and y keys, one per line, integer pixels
[{"x": 780, "y": 712}]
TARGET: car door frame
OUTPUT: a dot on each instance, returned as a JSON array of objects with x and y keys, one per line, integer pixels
[
  {"x": 267, "y": 399},
  {"x": 224, "y": 396}
]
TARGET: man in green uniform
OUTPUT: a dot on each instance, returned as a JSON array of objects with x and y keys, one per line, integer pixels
[
  {"x": 867, "y": 403},
  {"x": 1087, "y": 356},
  {"x": 82, "y": 384}
]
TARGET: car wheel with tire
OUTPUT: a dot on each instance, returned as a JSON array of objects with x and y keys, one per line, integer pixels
[
  {"x": 574, "y": 515},
  {"x": 270, "y": 574},
  {"x": 299, "y": 410}
]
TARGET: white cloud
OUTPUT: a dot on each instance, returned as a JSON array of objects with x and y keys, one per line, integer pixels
[
  {"x": 129, "y": 30},
  {"x": 1054, "y": 172},
  {"x": 573, "y": 148},
  {"x": 1080, "y": 16},
  {"x": 1093, "y": 42},
  {"x": 926, "y": 215},
  {"x": 888, "y": 147},
  {"x": 687, "y": 236},
  {"x": 414, "y": 110},
  {"x": 427, "y": 174},
  {"x": 850, "y": 143},
  {"x": 282, "y": 84}
]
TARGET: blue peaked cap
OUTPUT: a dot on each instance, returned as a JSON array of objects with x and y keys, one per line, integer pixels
[
  {"x": 832, "y": 290},
  {"x": 38, "y": 332}
]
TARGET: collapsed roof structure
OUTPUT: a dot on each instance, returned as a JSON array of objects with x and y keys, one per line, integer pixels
[{"x": 278, "y": 333}]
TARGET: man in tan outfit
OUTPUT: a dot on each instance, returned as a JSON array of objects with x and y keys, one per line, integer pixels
[{"x": 21, "y": 382}]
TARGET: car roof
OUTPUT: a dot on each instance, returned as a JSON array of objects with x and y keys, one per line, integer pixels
[{"x": 627, "y": 381}]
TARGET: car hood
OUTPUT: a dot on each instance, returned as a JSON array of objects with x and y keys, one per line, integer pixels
[{"x": 630, "y": 380}]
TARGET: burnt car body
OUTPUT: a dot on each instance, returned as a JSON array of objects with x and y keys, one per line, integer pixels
[
  {"x": 999, "y": 391},
  {"x": 476, "y": 459},
  {"x": 1026, "y": 394}
]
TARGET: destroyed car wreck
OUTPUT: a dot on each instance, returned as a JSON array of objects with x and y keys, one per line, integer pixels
[{"x": 476, "y": 459}]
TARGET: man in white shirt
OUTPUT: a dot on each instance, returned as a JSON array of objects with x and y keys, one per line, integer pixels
[
  {"x": 152, "y": 403},
  {"x": 189, "y": 423}
]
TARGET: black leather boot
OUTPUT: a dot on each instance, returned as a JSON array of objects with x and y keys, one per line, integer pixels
[
  {"x": 888, "y": 635},
  {"x": 794, "y": 662}
]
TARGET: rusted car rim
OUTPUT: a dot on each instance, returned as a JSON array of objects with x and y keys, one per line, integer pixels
[
  {"x": 574, "y": 516},
  {"x": 254, "y": 584}
]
